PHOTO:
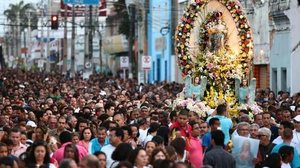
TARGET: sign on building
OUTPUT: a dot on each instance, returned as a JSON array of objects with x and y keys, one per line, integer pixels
[
  {"x": 146, "y": 62},
  {"x": 124, "y": 62},
  {"x": 84, "y": 2}
]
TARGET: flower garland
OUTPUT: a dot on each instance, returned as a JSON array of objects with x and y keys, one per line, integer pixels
[
  {"x": 196, "y": 106},
  {"x": 183, "y": 34}
]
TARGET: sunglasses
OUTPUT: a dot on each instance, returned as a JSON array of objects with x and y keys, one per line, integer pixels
[{"x": 260, "y": 136}]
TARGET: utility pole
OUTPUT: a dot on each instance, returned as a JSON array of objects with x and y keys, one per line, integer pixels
[
  {"x": 42, "y": 40},
  {"x": 131, "y": 9},
  {"x": 140, "y": 35},
  {"x": 91, "y": 37},
  {"x": 65, "y": 45},
  {"x": 48, "y": 34},
  {"x": 18, "y": 51},
  {"x": 29, "y": 37},
  {"x": 100, "y": 45},
  {"x": 73, "y": 43},
  {"x": 86, "y": 37}
]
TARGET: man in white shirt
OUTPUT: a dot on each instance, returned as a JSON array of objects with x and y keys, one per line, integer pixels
[
  {"x": 18, "y": 147},
  {"x": 296, "y": 134},
  {"x": 283, "y": 125},
  {"x": 116, "y": 136}
]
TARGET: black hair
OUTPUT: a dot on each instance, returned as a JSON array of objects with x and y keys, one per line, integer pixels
[
  {"x": 65, "y": 136},
  {"x": 184, "y": 112},
  {"x": 121, "y": 152},
  {"x": 192, "y": 123},
  {"x": 212, "y": 121},
  {"x": 124, "y": 164},
  {"x": 179, "y": 145},
  {"x": 97, "y": 153},
  {"x": 108, "y": 105},
  {"x": 153, "y": 127},
  {"x": 128, "y": 129},
  {"x": 218, "y": 137},
  {"x": 7, "y": 161},
  {"x": 221, "y": 109},
  {"x": 74, "y": 147},
  {"x": 163, "y": 164},
  {"x": 173, "y": 114},
  {"x": 273, "y": 161},
  {"x": 244, "y": 111},
  {"x": 31, "y": 157},
  {"x": 287, "y": 124},
  {"x": 158, "y": 139},
  {"x": 285, "y": 151},
  {"x": 92, "y": 136},
  {"x": 118, "y": 132}
]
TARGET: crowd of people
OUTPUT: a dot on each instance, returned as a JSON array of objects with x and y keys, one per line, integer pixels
[{"x": 48, "y": 121}]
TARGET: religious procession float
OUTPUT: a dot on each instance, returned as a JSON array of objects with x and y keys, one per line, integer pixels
[{"x": 215, "y": 52}]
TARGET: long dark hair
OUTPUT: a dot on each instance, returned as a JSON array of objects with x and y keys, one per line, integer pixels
[
  {"x": 87, "y": 128},
  {"x": 30, "y": 160},
  {"x": 74, "y": 147}
]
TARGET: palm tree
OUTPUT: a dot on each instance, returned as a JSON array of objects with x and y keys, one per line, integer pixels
[{"x": 18, "y": 16}]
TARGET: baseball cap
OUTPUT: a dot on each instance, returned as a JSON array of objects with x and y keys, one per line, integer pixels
[
  {"x": 31, "y": 124},
  {"x": 297, "y": 118}
]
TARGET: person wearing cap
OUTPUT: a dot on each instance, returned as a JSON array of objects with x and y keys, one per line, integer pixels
[
  {"x": 265, "y": 145},
  {"x": 144, "y": 110},
  {"x": 30, "y": 125},
  {"x": 296, "y": 134}
]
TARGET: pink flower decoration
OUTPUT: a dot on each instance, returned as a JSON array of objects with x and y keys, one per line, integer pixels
[{"x": 210, "y": 66}]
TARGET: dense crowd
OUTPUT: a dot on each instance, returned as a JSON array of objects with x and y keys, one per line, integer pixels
[{"x": 49, "y": 120}]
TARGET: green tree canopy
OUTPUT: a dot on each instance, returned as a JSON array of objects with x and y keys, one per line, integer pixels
[
  {"x": 24, "y": 10},
  {"x": 121, "y": 16}
]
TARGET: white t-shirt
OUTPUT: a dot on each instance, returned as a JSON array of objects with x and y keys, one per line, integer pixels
[
  {"x": 143, "y": 135},
  {"x": 108, "y": 150},
  {"x": 278, "y": 140},
  {"x": 296, "y": 141},
  {"x": 285, "y": 165},
  {"x": 148, "y": 138}
]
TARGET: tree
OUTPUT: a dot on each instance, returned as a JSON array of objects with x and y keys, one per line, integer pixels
[
  {"x": 24, "y": 11},
  {"x": 121, "y": 17},
  {"x": 18, "y": 16}
]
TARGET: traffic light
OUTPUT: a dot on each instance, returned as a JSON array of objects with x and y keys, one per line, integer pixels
[{"x": 54, "y": 22}]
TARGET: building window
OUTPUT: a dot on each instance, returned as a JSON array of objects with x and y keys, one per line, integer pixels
[{"x": 298, "y": 2}]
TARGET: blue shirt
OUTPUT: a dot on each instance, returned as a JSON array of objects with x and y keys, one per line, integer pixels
[
  {"x": 95, "y": 146},
  {"x": 226, "y": 124},
  {"x": 296, "y": 160},
  {"x": 206, "y": 139}
]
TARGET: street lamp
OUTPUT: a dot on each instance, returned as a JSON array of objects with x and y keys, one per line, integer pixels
[{"x": 164, "y": 31}]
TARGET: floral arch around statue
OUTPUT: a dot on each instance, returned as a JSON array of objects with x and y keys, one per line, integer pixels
[{"x": 214, "y": 42}]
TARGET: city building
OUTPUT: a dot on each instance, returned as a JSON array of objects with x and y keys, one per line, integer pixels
[{"x": 159, "y": 35}]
